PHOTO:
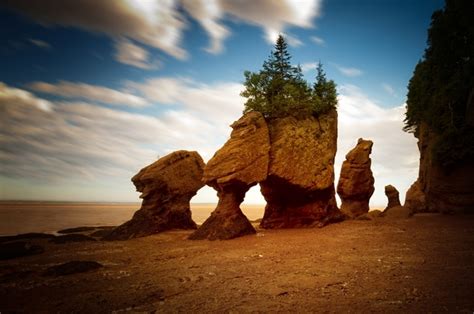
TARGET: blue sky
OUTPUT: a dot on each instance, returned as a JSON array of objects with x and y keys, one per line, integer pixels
[{"x": 93, "y": 91}]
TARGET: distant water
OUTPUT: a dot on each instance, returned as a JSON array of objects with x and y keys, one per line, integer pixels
[{"x": 49, "y": 217}]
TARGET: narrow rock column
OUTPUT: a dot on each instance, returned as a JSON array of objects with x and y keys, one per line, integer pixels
[
  {"x": 227, "y": 221},
  {"x": 240, "y": 164},
  {"x": 356, "y": 182},
  {"x": 393, "y": 196}
]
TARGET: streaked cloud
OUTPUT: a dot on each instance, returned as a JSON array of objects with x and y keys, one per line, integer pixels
[
  {"x": 20, "y": 97},
  {"x": 218, "y": 101},
  {"x": 274, "y": 16},
  {"x": 292, "y": 40},
  {"x": 389, "y": 89},
  {"x": 348, "y": 71},
  {"x": 154, "y": 23},
  {"x": 209, "y": 13},
  {"x": 89, "y": 92},
  {"x": 40, "y": 43},
  {"x": 60, "y": 141},
  {"x": 134, "y": 55},
  {"x": 305, "y": 67},
  {"x": 160, "y": 23},
  {"x": 318, "y": 40}
]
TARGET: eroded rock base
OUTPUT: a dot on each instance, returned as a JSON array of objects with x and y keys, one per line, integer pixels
[{"x": 227, "y": 221}]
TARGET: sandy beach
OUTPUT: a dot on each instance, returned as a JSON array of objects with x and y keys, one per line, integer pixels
[{"x": 421, "y": 264}]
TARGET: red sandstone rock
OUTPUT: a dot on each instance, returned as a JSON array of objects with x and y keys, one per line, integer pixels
[
  {"x": 299, "y": 189},
  {"x": 356, "y": 182},
  {"x": 446, "y": 190},
  {"x": 415, "y": 198},
  {"x": 393, "y": 196},
  {"x": 241, "y": 163},
  {"x": 167, "y": 186}
]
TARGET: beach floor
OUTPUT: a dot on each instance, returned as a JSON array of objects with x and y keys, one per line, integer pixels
[{"x": 421, "y": 264}]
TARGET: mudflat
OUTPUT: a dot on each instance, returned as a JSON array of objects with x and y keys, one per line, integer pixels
[{"x": 421, "y": 264}]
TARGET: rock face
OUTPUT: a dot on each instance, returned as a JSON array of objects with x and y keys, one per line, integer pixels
[
  {"x": 241, "y": 163},
  {"x": 393, "y": 196},
  {"x": 415, "y": 198},
  {"x": 299, "y": 188},
  {"x": 167, "y": 186},
  {"x": 445, "y": 190},
  {"x": 356, "y": 182}
]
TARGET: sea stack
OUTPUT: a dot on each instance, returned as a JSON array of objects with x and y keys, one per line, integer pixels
[
  {"x": 299, "y": 188},
  {"x": 167, "y": 187},
  {"x": 240, "y": 164},
  {"x": 393, "y": 196},
  {"x": 356, "y": 182}
]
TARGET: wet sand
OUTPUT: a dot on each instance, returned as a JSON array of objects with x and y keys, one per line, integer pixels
[{"x": 422, "y": 264}]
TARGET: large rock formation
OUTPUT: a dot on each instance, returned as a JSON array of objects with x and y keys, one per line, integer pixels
[
  {"x": 299, "y": 189},
  {"x": 445, "y": 190},
  {"x": 393, "y": 196},
  {"x": 241, "y": 163},
  {"x": 415, "y": 198},
  {"x": 356, "y": 182},
  {"x": 167, "y": 186}
]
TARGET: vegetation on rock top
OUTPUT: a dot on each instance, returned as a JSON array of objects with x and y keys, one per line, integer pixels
[
  {"x": 279, "y": 90},
  {"x": 442, "y": 86}
]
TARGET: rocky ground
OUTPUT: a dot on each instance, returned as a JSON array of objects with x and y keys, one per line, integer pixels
[{"x": 421, "y": 264}]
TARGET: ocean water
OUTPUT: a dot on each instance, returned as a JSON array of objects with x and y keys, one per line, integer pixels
[{"x": 49, "y": 217}]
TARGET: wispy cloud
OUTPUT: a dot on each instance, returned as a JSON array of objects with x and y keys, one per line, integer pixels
[
  {"x": 318, "y": 40},
  {"x": 40, "y": 43},
  {"x": 134, "y": 55},
  {"x": 89, "y": 92},
  {"x": 218, "y": 101},
  {"x": 389, "y": 89},
  {"x": 58, "y": 141},
  {"x": 160, "y": 24},
  {"x": 305, "y": 67},
  {"x": 20, "y": 97},
  {"x": 348, "y": 71}
]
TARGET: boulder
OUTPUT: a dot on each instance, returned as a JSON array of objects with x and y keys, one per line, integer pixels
[
  {"x": 167, "y": 187},
  {"x": 73, "y": 267},
  {"x": 415, "y": 198},
  {"x": 26, "y": 236},
  {"x": 371, "y": 215},
  {"x": 69, "y": 238},
  {"x": 397, "y": 212},
  {"x": 241, "y": 163},
  {"x": 356, "y": 182},
  {"x": 393, "y": 196},
  {"x": 11, "y": 250},
  {"x": 299, "y": 188}
]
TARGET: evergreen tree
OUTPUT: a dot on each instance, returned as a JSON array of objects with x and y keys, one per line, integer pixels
[
  {"x": 279, "y": 89},
  {"x": 324, "y": 92}
]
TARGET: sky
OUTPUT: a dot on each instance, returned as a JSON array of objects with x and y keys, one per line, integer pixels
[{"x": 93, "y": 91}]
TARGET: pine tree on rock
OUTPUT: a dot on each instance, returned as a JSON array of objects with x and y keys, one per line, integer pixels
[
  {"x": 279, "y": 89},
  {"x": 324, "y": 92}
]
